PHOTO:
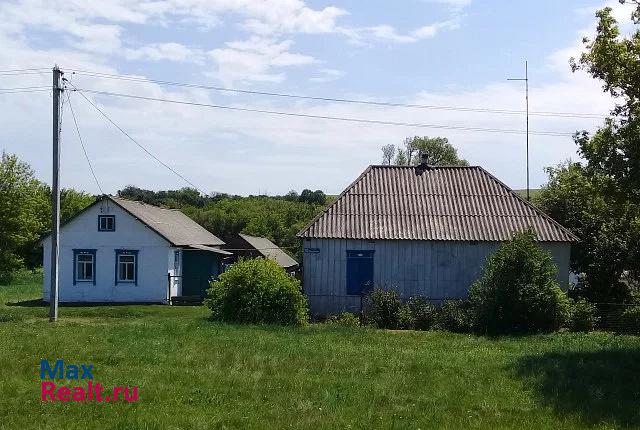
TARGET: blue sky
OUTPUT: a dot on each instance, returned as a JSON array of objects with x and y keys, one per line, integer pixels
[{"x": 435, "y": 52}]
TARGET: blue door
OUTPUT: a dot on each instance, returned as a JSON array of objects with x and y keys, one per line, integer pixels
[{"x": 359, "y": 272}]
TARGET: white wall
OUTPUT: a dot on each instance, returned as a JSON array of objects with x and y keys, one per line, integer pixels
[{"x": 82, "y": 233}]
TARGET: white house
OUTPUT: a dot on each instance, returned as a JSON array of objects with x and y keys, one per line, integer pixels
[{"x": 118, "y": 250}]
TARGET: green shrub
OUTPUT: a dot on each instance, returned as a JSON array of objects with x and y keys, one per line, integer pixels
[
  {"x": 381, "y": 308},
  {"x": 630, "y": 319},
  {"x": 584, "y": 316},
  {"x": 406, "y": 321},
  {"x": 257, "y": 291},
  {"x": 518, "y": 291},
  {"x": 346, "y": 319},
  {"x": 422, "y": 311},
  {"x": 456, "y": 316}
]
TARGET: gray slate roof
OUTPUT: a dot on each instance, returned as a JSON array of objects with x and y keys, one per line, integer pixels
[
  {"x": 171, "y": 224},
  {"x": 270, "y": 250},
  {"x": 444, "y": 203}
]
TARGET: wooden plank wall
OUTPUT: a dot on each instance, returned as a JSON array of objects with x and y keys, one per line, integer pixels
[{"x": 434, "y": 269}]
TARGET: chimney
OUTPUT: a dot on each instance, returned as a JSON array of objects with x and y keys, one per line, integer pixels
[{"x": 423, "y": 166}]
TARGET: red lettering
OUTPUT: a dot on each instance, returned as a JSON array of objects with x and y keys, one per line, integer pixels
[
  {"x": 47, "y": 390},
  {"x": 116, "y": 391},
  {"x": 133, "y": 397},
  {"x": 64, "y": 394}
]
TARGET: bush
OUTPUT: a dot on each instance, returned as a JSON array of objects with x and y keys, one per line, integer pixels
[
  {"x": 346, "y": 319},
  {"x": 456, "y": 316},
  {"x": 381, "y": 308},
  {"x": 422, "y": 312},
  {"x": 630, "y": 319},
  {"x": 257, "y": 291},
  {"x": 584, "y": 316},
  {"x": 406, "y": 320},
  {"x": 518, "y": 291}
]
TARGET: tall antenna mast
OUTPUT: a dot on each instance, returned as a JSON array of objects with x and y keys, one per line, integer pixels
[{"x": 526, "y": 82}]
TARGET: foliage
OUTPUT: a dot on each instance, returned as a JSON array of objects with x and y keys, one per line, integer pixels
[
  {"x": 380, "y": 308},
  {"x": 435, "y": 151},
  {"x": 345, "y": 319},
  {"x": 257, "y": 291},
  {"x": 422, "y": 312},
  {"x": 584, "y": 316},
  {"x": 456, "y": 316},
  {"x": 600, "y": 199},
  {"x": 630, "y": 319},
  {"x": 406, "y": 320},
  {"x": 279, "y": 218},
  {"x": 22, "y": 198},
  {"x": 518, "y": 291}
]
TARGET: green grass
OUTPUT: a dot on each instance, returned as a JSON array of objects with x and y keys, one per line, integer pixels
[{"x": 193, "y": 373}]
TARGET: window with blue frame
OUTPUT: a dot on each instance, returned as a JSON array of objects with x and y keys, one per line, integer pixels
[
  {"x": 84, "y": 266},
  {"x": 106, "y": 223},
  {"x": 126, "y": 266}
]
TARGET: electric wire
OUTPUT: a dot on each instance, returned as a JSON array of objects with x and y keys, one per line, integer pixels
[
  {"x": 326, "y": 117},
  {"x": 135, "y": 141},
  {"x": 334, "y": 99},
  {"x": 86, "y": 156}
]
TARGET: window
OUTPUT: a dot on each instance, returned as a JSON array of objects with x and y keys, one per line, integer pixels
[
  {"x": 106, "y": 223},
  {"x": 126, "y": 266},
  {"x": 84, "y": 265}
]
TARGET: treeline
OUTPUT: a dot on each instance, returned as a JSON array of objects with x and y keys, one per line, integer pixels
[
  {"x": 278, "y": 218},
  {"x": 25, "y": 214}
]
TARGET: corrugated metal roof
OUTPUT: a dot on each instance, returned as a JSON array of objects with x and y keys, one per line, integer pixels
[
  {"x": 443, "y": 203},
  {"x": 173, "y": 225},
  {"x": 270, "y": 250}
]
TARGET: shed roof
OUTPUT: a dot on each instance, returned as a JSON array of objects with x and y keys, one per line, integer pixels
[
  {"x": 270, "y": 250},
  {"x": 443, "y": 203},
  {"x": 171, "y": 224}
]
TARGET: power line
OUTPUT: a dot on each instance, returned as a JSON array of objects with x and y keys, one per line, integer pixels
[
  {"x": 338, "y": 100},
  {"x": 326, "y": 117},
  {"x": 135, "y": 141},
  {"x": 38, "y": 69},
  {"x": 86, "y": 156},
  {"x": 10, "y": 91}
]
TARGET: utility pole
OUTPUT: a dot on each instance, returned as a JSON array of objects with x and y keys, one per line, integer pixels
[
  {"x": 55, "y": 197},
  {"x": 526, "y": 82}
]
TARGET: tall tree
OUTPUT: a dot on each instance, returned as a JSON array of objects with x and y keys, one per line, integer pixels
[
  {"x": 436, "y": 150},
  {"x": 388, "y": 152},
  {"x": 23, "y": 200},
  {"x": 600, "y": 198}
]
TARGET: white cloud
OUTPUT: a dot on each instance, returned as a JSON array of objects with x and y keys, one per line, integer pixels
[
  {"x": 327, "y": 75},
  {"x": 165, "y": 51},
  {"x": 254, "y": 60}
]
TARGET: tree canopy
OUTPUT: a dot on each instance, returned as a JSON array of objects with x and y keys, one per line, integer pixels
[
  {"x": 599, "y": 199},
  {"x": 436, "y": 151}
]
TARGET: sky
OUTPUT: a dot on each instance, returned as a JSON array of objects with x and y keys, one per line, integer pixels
[{"x": 442, "y": 53}]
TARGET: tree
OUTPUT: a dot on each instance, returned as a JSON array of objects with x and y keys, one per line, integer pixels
[
  {"x": 387, "y": 154},
  {"x": 518, "y": 291},
  {"x": 22, "y": 199},
  {"x": 437, "y": 151},
  {"x": 600, "y": 198}
]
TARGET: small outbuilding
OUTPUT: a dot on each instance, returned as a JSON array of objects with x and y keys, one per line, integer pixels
[
  {"x": 422, "y": 231},
  {"x": 246, "y": 246},
  {"x": 119, "y": 250}
]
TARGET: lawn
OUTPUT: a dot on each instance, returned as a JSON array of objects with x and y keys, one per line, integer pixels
[{"x": 193, "y": 373}]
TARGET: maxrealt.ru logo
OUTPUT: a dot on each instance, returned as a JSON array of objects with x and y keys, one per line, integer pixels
[{"x": 93, "y": 392}]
